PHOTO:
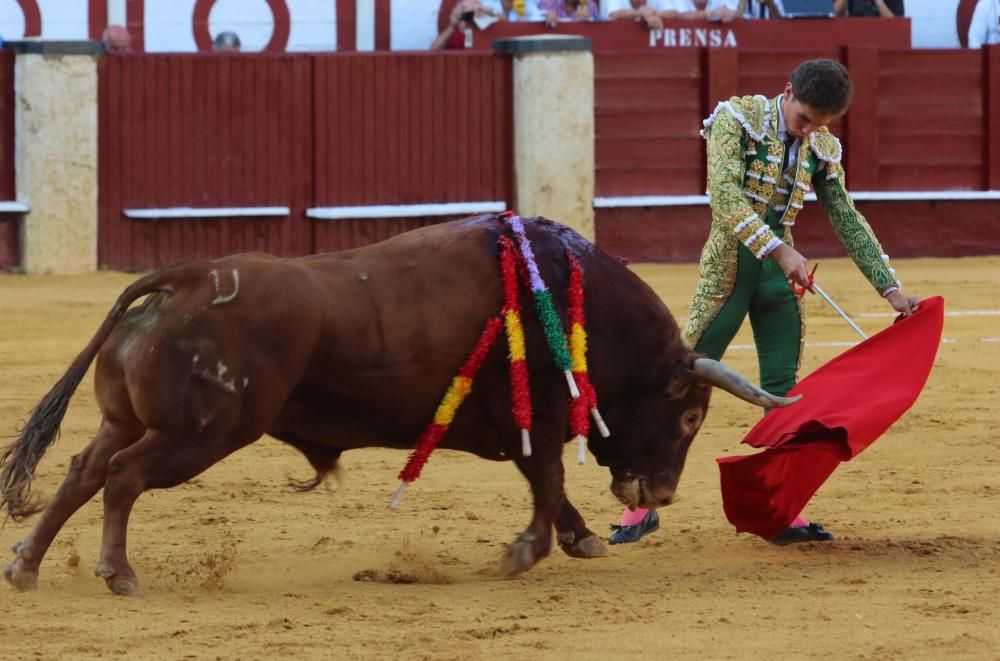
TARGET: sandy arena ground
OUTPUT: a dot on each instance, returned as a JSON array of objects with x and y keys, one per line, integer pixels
[{"x": 236, "y": 565}]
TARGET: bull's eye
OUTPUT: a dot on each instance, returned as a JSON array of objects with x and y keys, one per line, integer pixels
[{"x": 690, "y": 421}]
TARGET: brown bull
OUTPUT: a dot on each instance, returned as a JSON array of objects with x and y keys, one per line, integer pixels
[{"x": 354, "y": 349}]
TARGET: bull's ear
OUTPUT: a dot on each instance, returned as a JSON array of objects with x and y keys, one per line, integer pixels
[{"x": 681, "y": 378}]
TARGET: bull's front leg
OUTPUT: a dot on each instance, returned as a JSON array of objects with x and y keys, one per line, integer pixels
[
  {"x": 575, "y": 538},
  {"x": 544, "y": 471}
]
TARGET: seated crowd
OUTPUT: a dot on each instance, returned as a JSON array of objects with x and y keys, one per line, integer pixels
[{"x": 466, "y": 13}]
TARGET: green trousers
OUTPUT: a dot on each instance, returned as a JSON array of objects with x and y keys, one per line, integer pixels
[{"x": 763, "y": 292}]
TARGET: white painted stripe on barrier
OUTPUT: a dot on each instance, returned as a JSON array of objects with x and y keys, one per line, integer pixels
[
  {"x": 405, "y": 210},
  {"x": 625, "y": 201},
  {"x": 10, "y": 206},
  {"x": 649, "y": 201},
  {"x": 204, "y": 212}
]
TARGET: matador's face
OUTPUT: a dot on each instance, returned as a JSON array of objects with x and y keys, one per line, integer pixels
[{"x": 802, "y": 119}]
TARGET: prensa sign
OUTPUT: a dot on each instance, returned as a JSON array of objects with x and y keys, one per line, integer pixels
[{"x": 692, "y": 37}]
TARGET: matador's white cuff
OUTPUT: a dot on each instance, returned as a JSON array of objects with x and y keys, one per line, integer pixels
[{"x": 769, "y": 248}]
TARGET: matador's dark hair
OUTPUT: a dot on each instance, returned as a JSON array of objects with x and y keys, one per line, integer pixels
[{"x": 823, "y": 84}]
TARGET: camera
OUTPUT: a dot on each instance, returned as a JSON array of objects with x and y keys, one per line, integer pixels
[{"x": 468, "y": 15}]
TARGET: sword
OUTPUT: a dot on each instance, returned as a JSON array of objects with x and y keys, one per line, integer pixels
[{"x": 826, "y": 297}]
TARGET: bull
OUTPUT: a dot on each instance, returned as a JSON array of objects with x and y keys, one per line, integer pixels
[{"x": 354, "y": 349}]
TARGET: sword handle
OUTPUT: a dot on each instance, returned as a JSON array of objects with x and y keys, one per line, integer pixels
[{"x": 800, "y": 291}]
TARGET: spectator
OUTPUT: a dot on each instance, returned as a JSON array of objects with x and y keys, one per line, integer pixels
[
  {"x": 568, "y": 10},
  {"x": 116, "y": 39},
  {"x": 726, "y": 11},
  {"x": 764, "y": 9},
  {"x": 226, "y": 42},
  {"x": 883, "y": 8},
  {"x": 648, "y": 11},
  {"x": 985, "y": 26},
  {"x": 458, "y": 33},
  {"x": 514, "y": 10}
]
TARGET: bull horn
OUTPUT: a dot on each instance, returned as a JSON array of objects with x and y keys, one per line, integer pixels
[{"x": 714, "y": 372}]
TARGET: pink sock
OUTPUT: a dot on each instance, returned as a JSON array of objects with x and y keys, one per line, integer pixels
[
  {"x": 632, "y": 517},
  {"x": 799, "y": 522}
]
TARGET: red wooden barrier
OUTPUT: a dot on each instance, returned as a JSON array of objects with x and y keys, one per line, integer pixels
[
  {"x": 9, "y": 244},
  {"x": 919, "y": 119},
  {"x": 10, "y": 253},
  {"x": 930, "y": 120},
  {"x": 862, "y": 119},
  {"x": 299, "y": 131},
  {"x": 7, "y": 191},
  {"x": 202, "y": 131},
  {"x": 991, "y": 115},
  {"x": 397, "y": 129},
  {"x": 409, "y": 129},
  {"x": 648, "y": 111}
]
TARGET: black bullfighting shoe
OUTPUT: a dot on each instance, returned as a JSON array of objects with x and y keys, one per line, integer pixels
[
  {"x": 814, "y": 532},
  {"x": 628, "y": 534}
]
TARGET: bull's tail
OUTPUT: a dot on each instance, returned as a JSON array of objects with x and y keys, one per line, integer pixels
[{"x": 19, "y": 459}]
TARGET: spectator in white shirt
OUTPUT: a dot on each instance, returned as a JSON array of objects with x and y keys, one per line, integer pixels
[
  {"x": 648, "y": 11},
  {"x": 515, "y": 10},
  {"x": 726, "y": 11},
  {"x": 985, "y": 26}
]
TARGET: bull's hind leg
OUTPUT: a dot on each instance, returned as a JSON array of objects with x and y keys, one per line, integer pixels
[
  {"x": 86, "y": 475},
  {"x": 157, "y": 461},
  {"x": 575, "y": 538}
]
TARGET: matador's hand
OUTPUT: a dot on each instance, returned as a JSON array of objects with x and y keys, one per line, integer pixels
[
  {"x": 793, "y": 264},
  {"x": 902, "y": 303}
]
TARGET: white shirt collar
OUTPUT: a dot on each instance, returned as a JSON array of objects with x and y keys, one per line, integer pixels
[{"x": 782, "y": 133}]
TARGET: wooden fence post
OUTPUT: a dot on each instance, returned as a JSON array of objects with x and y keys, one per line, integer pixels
[
  {"x": 56, "y": 153},
  {"x": 553, "y": 128}
]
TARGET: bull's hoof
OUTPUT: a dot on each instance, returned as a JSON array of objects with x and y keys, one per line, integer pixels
[
  {"x": 588, "y": 547},
  {"x": 125, "y": 585},
  {"x": 21, "y": 579},
  {"x": 519, "y": 557},
  {"x": 16, "y": 546}
]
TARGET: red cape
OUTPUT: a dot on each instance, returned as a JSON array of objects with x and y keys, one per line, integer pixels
[{"x": 846, "y": 405}]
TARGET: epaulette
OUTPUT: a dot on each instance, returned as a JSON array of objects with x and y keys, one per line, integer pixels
[
  {"x": 826, "y": 146},
  {"x": 753, "y": 112}
]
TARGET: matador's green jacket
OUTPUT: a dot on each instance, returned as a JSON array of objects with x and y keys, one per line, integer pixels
[{"x": 753, "y": 201}]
